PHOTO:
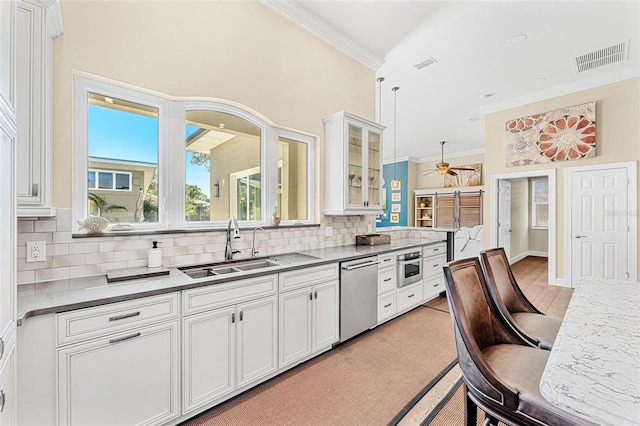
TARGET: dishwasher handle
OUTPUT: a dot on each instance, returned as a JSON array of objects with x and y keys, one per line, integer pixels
[{"x": 359, "y": 265}]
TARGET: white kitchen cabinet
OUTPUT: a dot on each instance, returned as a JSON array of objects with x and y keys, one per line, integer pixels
[
  {"x": 227, "y": 349},
  {"x": 38, "y": 22},
  {"x": 122, "y": 379},
  {"x": 434, "y": 259},
  {"x": 7, "y": 228},
  {"x": 7, "y": 51},
  {"x": 8, "y": 384},
  {"x": 308, "y": 321},
  {"x": 386, "y": 287},
  {"x": 353, "y": 165}
]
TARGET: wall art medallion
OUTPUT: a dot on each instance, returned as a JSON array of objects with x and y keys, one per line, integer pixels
[
  {"x": 561, "y": 135},
  {"x": 471, "y": 177}
]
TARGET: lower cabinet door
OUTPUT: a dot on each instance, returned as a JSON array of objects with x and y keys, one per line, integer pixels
[
  {"x": 325, "y": 315},
  {"x": 257, "y": 339},
  {"x": 386, "y": 306},
  {"x": 295, "y": 325},
  {"x": 208, "y": 357},
  {"x": 8, "y": 388},
  {"x": 130, "y": 378}
]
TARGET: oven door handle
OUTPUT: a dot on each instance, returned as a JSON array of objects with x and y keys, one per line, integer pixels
[{"x": 359, "y": 265}]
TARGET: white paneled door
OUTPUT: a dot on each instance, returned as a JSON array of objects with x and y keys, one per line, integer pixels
[
  {"x": 504, "y": 216},
  {"x": 600, "y": 224}
]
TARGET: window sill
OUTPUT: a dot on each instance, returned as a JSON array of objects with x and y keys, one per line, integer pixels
[{"x": 189, "y": 231}]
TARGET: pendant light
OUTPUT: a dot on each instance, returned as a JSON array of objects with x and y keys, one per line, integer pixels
[{"x": 395, "y": 183}]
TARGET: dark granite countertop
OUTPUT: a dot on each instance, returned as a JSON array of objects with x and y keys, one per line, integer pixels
[{"x": 75, "y": 293}]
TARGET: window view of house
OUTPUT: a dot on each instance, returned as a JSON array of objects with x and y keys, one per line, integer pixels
[{"x": 122, "y": 139}]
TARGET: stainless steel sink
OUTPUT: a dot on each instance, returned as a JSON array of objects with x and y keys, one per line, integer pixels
[{"x": 222, "y": 268}]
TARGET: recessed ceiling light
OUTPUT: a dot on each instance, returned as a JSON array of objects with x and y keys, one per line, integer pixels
[
  {"x": 486, "y": 96},
  {"x": 474, "y": 119},
  {"x": 108, "y": 100},
  {"x": 517, "y": 39},
  {"x": 538, "y": 80}
]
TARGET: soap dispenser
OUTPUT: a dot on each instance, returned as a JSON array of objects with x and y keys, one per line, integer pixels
[{"x": 155, "y": 256}]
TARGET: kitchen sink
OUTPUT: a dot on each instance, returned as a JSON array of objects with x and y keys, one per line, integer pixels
[{"x": 222, "y": 268}]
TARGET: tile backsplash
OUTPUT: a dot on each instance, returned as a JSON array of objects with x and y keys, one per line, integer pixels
[{"x": 68, "y": 257}]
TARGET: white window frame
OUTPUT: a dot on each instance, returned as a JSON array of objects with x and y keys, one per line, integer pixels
[
  {"x": 171, "y": 155},
  {"x": 112, "y": 172},
  {"x": 534, "y": 203}
]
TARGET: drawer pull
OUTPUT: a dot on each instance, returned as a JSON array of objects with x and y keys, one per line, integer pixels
[
  {"x": 410, "y": 296},
  {"x": 2, "y": 400},
  {"x": 122, "y": 339},
  {"x": 315, "y": 294},
  {"x": 310, "y": 296},
  {"x": 436, "y": 265},
  {"x": 387, "y": 305},
  {"x": 241, "y": 315},
  {"x": 121, "y": 317},
  {"x": 233, "y": 318},
  {"x": 388, "y": 279}
]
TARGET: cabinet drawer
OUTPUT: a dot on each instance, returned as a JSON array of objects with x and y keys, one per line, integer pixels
[
  {"x": 88, "y": 323},
  {"x": 386, "y": 306},
  {"x": 308, "y": 276},
  {"x": 434, "y": 249},
  {"x": 386, "y": 260},
  {"x": 219, "y": 295},
  {"x": 433, "y": 286},
  {"x": 410, "y": 296},
  {"x": 433, "y": 266},
  {"x": 386, "y": 280}
]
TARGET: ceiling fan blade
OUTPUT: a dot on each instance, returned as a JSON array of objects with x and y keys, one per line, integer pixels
[
  {"x": 452, "y": 173},
  {"x": 425, "y": 172},
  {"x": 461, "y": 168}
]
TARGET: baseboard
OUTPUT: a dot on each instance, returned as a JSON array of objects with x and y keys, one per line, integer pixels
[{"x": 528, "y": 253}]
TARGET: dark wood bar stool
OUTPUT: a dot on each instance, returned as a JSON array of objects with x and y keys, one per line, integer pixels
[
  {"x": 501, "y": 370},
  {"x": 514, "y": 307}
]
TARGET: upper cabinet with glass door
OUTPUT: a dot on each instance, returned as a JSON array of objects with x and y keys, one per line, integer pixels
[{"x": 353, "y": 165}]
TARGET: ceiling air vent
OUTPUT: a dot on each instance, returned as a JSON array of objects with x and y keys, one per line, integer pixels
[
  {"x": 426, "y": 63},
  {"x": 602, "y": 57}
]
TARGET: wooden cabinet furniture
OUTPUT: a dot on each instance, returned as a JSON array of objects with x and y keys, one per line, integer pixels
[
  {"x": 434, "y": 258},
  {"x": 38, "y": 22},
  {"x": 353, "y": 165},
  {"x": 448, "y": 208},
  {"x": 232, "y": 343},
  {"x": 109, "y": 355},
  {"x": 309, "y": 315}
]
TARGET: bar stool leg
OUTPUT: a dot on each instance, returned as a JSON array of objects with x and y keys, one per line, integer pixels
[{"x": 470, "y": 410}]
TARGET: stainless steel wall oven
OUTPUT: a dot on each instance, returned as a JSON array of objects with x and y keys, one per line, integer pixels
[{"x": 409, "y": 267}]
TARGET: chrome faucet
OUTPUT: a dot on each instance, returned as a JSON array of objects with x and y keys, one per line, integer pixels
[
  {"x": 228, "y": 251},
  {"x": 255, "y": 251}
]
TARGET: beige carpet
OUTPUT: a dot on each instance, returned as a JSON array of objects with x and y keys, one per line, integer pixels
[{"x": 365, "y": 381}]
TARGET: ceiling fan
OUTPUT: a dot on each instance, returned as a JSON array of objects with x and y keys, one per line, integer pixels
[{"x": 443, "y": 167}]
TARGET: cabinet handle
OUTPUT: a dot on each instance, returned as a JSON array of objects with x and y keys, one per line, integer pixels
[
  {"x": 241, "y": 315},
  {"x": 233, "y": 318},
  {"x": 436, "y": 265},
  {"x": 34, "y": 190},
  {"x": 310, "y": 296},
  {"x": 436, "y": 249},
  {"x": 122, "y": 339},
  {"x": 2, "y": 399},
  {"x": 1, "y": 347},
  {"x": 120, "y": 317},
  {"x": 410, "y": 296},
  {"x": 387, "y": 305},
  {"x": 315, "y": 294},
  {"x": 388, "y": 279}
]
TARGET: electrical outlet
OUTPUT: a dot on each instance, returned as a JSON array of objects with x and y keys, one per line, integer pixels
[
  {"x": 36, "y": 251},
  {"x": 328, "y": 231}
]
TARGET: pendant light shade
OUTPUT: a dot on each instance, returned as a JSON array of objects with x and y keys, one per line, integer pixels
[{"x": 395, "y": 183}]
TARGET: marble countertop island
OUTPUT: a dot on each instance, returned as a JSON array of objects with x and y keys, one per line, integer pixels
[{"x": 593, "y": 370}]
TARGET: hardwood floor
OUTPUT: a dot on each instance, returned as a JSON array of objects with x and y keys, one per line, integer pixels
[{"x": 531, "y": 274}]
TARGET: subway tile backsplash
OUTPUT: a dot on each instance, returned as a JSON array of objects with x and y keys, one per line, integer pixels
[{"x": 68, "y": 257}]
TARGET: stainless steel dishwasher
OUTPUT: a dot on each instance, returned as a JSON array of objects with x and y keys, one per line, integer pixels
[{"x": 358, "y": 296}]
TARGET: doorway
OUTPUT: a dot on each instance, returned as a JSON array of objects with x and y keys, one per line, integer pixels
[{"x": 497, "y": 234}]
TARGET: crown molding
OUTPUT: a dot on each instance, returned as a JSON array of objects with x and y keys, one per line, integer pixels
[
  {"x": 303, "y": 18},
  {"x": 54, "y": 15},
  {"x": 565, "y": 89}
]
